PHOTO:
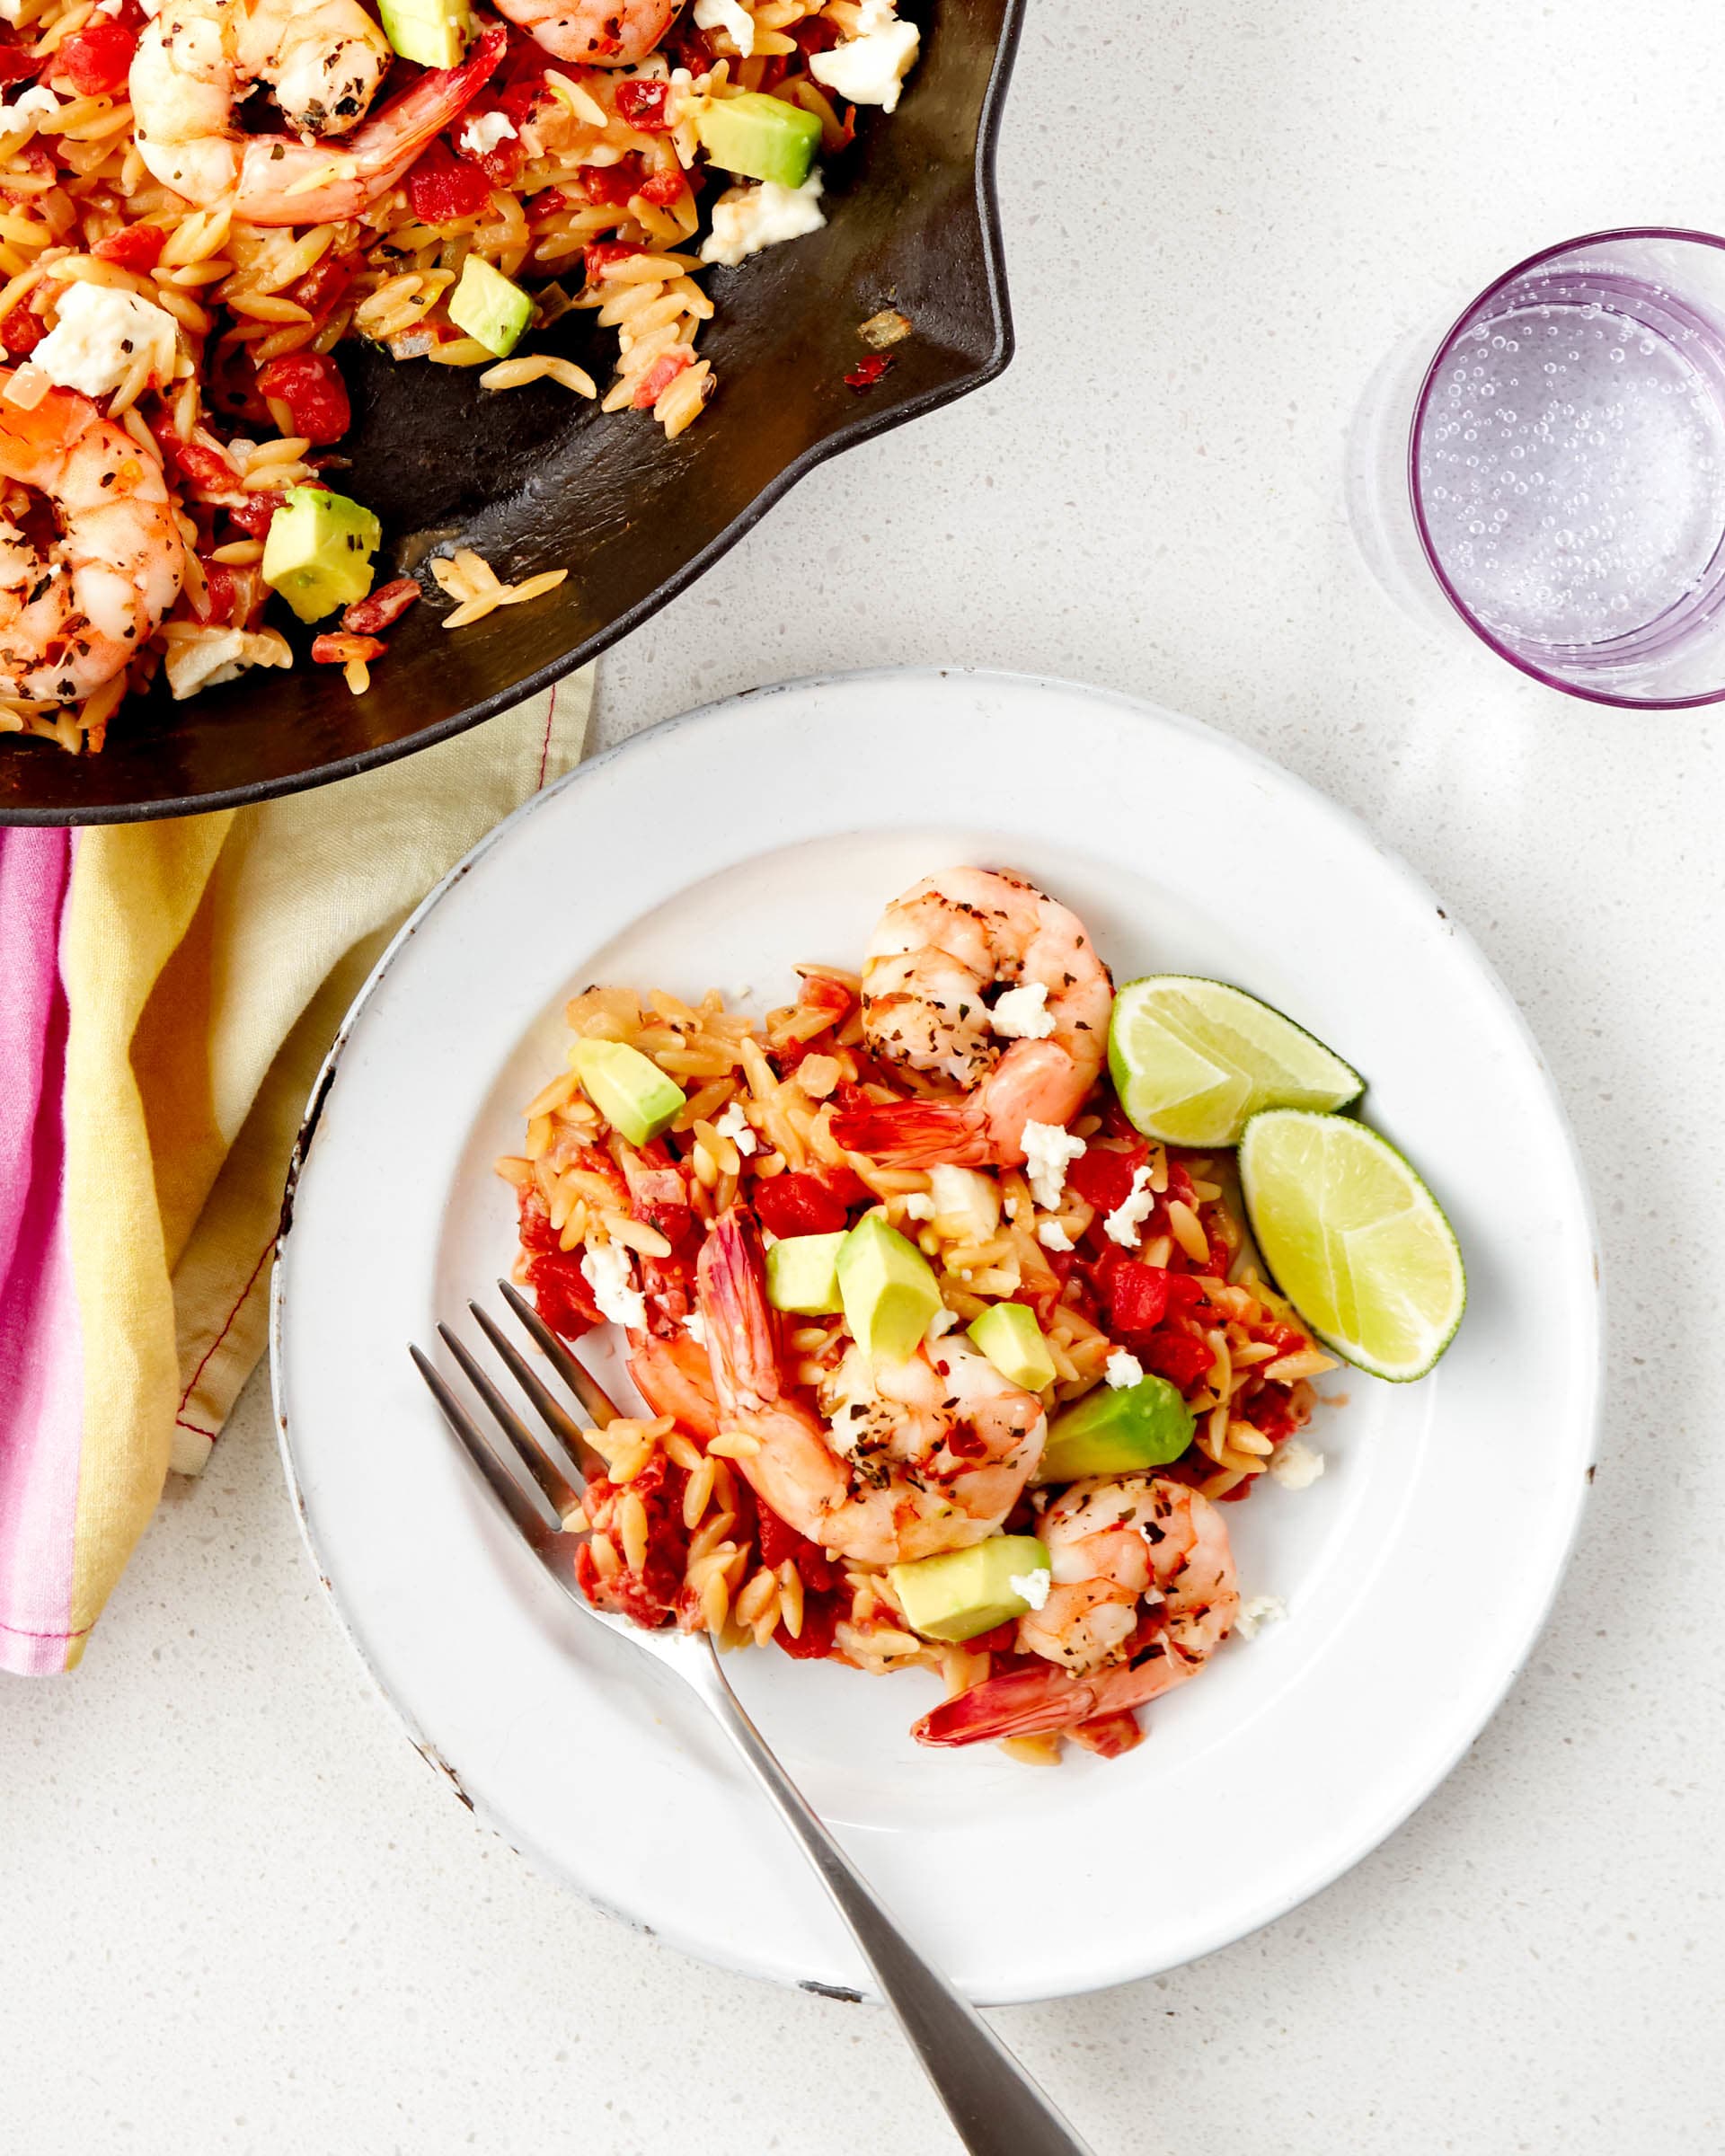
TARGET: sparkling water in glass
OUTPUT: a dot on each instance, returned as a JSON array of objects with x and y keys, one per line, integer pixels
[{"x": 1555, "y": 476}]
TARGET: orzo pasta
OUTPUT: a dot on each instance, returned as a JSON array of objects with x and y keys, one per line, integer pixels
[{"x": 201, "y": 199}]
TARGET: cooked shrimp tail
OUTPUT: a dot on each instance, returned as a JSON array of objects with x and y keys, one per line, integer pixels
[
  {"x": 915, "y": 1134},
  {"x": 1036, "y": 1701}
]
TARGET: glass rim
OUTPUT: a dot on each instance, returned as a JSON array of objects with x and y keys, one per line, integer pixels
[{"x": 1615, "y": 699}]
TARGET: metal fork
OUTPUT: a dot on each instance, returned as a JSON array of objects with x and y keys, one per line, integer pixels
[{"x": 997, "y": 2107}]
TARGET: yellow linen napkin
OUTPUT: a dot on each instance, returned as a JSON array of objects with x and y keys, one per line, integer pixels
[{"x": 204, "y": 967}]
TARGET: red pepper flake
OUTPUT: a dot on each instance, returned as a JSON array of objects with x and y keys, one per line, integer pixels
[{"x": 867, "y": 372}]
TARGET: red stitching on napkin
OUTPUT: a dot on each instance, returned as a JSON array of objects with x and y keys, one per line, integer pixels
[
  {"x": 545, "y": 752},
  {"x": 192, "y": 1382},
  {"x": 197, "y": 1428},
  {"x": 20, "y": 1631}
]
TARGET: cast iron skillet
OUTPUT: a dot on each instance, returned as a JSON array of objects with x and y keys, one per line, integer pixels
[{"x": 536, "y": 481}]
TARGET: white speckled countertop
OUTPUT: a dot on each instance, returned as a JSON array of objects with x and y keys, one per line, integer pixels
[{"x": 238, "y": 1912}]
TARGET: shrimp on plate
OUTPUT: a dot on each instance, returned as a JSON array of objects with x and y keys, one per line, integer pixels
[
  {"x": 200, "y": 58},
  {"x": 76, "y": 610},
  {"x": 939, "y": 963},
  {"x": 922, "y": 1455},
  {"x": 1142, "y": 1590},
  {"x": 595, "y": 34}
]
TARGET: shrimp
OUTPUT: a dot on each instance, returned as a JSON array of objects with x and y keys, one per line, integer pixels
[
  {"x": 200, "y": 57},
  {"x": 597, "y": 34},
  {"x": 676, "y": 1378},
  {"x": 1143, "y": 1591},
  {"x": 922, "y": 1455},
  {"x": 76, "y": 612},
  {"x": 934, "y": 972}
]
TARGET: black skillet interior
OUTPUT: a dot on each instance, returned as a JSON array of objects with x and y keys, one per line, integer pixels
[{"x": 536, "y": 479}]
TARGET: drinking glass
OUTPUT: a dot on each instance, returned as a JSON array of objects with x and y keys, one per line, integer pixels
[{"x": 1554, "y": 476}]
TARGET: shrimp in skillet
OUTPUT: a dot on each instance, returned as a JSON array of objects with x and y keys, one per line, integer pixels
[
  {"x": 921, "y": 1456},
  {"x": 1143, "y": 1591},
  {"x": 942, "y": 964},
  {"x": 595, "y": 34},
  {"x": 200, "y": 58},
  {"x": 76, "y": 612}
]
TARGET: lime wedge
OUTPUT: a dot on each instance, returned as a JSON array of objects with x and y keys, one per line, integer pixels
[
  {"x": 1192, "y": 1059},
  {"x": 1354, "y": 1240}
]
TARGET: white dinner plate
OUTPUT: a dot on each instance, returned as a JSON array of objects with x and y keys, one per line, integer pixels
[{"x": 719, "y": 850}]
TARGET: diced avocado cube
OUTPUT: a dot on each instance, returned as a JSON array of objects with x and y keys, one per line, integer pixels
[
  {"x": 760, "y": 136},
  {"x": 1111, "y": 1433},
  {"x": 628, "y": 1089},
  {"x": 433, "y": 32},
  {"x": 1010, "y": 1337},
  {"x": 802, "y": 1275},
  {"x": 318, "y": 554},
  {"x": 964, "y": 1592},
  {"x": 887, "y": 1288},
  {"x": 490, "y": 306}
]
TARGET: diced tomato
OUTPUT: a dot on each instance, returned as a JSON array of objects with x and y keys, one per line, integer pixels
[
  {"x": 502, "y": 162},
  {"x": 1185, "y": 1294},
  {"x": 1001, "y": 1640},
  {"x": 1102, "y": 1176},
  {"x": 867, "y": 372},
  {"x": 797, "y": 1205},
  {"x": 815, "y": 34},
  {"x": 686, "y": 47},
  {"x": 256, "y": 513},
  {"x": 613, "y": 185},
  {"x": 1177, "y": 1356},
  {"x": 659, "y": 378},
  {"x": 22, "y": 329},
  {"x": 310, "y": 384},
  {"x": 382, "y": 608},
  {"x": 779, "y": 1540},
  {"x": 1138, "y": 1297},
  {"x": 820, "y": 1616},
  {"x": 220, "y": 582},
  {"x": 203, "y": 466},
  {"x": 133, "y": 246},
  {"x": 320, "y": 288},
  {"x": 564, "y": 1299},
  {"x": 94, "y": 60},
  {"x": 336, "y": 647},
  {"x": 18, "y": 64},
  {"x": 665, "y": 187},
  {"x": 642, "y": 104},
  {"x": 442, "y": 187},
  {"x": 598, "y": 252}
]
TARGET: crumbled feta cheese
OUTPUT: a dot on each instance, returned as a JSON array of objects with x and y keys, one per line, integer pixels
[
  {"x": 745, "y": 219},
  {"x": 870, "y": 70},
  {"x": 1262, "y": 1608},
  {"x": 36, "y": 103},
  {"x": 479, "y": 136},
  {"x": 942, "y": 1321},
  {"x": 1122, "y": 1369},
  {"x": 695, "y": 1325},
  {"x": 1014, "y": 1208},
  {"x": 730, "y": 16},
  {"x": 1133, "y": 1209},
  {"x": 1052, "y": 1236},
  {"x": 607, "y": 1269},
  {"x": 1296, "y": 1466},
  {"x": 735, "y": 1125},
  {"x": 98, "y": 334},
  {"x": 875, "y": 15},
  {"x": 1031, "y": 1586},
  {"x": 10, "y": 10},
  {"x": 1022, "y": 1013},
  {"x": 918, "y": 1205},
  {"x": 1048, "y": 1151}
]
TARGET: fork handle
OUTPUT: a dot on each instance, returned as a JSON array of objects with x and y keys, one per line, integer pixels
[{"x": 997, "y": 2107}]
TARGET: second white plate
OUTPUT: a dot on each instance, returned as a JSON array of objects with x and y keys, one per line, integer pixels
[{"x": 721, "y": 849}]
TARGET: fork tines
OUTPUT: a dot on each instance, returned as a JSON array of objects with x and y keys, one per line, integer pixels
[{"x": 559, "y": 1464}]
